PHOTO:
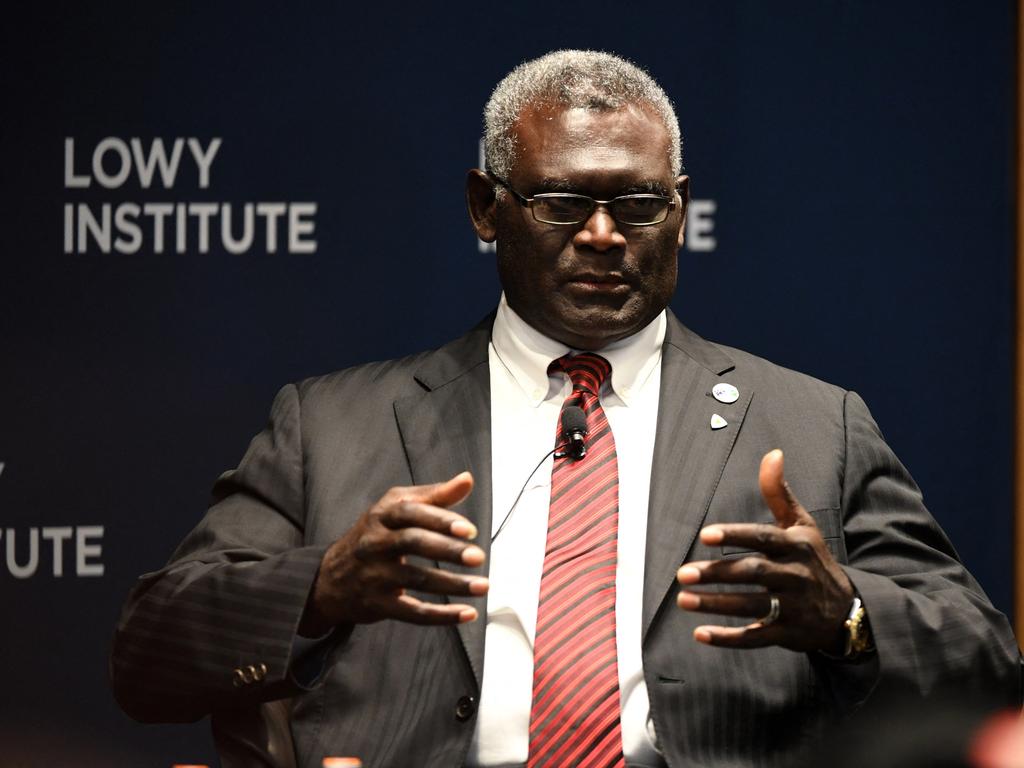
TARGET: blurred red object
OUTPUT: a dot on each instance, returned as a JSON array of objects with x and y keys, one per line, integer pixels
[{"x": 999, "y": 743}]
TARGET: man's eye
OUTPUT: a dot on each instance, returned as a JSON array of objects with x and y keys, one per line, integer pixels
[
  {"x": 640, "y": 204},
  {"x": 565, "y": 206}
]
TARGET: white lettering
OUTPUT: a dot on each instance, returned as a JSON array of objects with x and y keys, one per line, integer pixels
[
  {"x": 227, "y": 238},
  {"x": 204, "y": 159},
  {"x": 273, "y": 211},
  {"x": 87, "y": 544},
  {"x": 179, "y": 227},
  {"x": 700, "y": 224},
  {"x": 159, "y": 212},
  {"x": 124, "y": 157},
  {"x": 130, "y": 227},
  {"x": 23, "y": 571},
  {"x": 298, "y": 227},
  {"x": 145, "y": 165},
  {"x": 70, "y": 179},
  {"x": 100, "y": 230},
  {"x": 69, "y": 228},
  {"x": 57, "y": 534},
  {"x": 84, "y": 550},
  {"x": 203, "y": 212},
  {"x": 127, "y": 226}
]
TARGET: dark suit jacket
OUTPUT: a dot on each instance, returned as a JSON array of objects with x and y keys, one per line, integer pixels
[{"x": 402, "y": 695}]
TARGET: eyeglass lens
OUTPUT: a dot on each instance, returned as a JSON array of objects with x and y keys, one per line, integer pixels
[{"x": 572, "y": 209}]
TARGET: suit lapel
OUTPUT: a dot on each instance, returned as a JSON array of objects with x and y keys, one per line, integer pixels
[
  {"x": 446, "y": 429},
  {"x": 689, "y": 456}
]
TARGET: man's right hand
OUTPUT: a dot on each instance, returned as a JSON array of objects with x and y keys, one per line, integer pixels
[{"x": 364, "y": 575}]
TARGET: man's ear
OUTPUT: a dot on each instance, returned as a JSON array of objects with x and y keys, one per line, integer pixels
[
  {"x": 481, "y": 202},
  {"x": 683, "y": 186}
]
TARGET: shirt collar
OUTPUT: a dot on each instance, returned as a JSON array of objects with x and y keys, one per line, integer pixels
[{"x": 526, "y": 353}]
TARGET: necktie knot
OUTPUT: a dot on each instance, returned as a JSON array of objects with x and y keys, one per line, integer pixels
[{"x": 587, "y": 371}]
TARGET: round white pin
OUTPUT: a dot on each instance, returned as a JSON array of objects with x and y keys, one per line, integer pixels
[{"x": 725, "y": 393}]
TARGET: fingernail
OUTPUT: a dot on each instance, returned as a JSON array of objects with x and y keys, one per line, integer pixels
[
  {"x": 463, "y": 529},
  {"x": 701, "y": 635},
  {"x": 688, "y": 600},
  {"x": 688, "y": 575},
  {"x": 467, "y": 614},
  {"x": 472, "y": 555},
  {"x": 479, "y": 586},
  {"x": 712, "y": 535}
]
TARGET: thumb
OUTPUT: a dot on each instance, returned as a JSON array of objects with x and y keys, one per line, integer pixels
[
  {"x": 450, "y": 492},
  {"x": 777, "y": 493}
]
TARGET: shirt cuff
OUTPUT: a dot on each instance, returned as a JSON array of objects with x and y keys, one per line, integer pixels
[{"x": 308, "y": 660}]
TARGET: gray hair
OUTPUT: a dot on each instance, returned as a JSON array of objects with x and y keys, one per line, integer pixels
[{"x": 588, "y": 79}]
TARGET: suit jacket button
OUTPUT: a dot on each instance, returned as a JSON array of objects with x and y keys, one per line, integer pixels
[
  {"x": 238, "y": 678},
  {"x": 465, "y": 708}
]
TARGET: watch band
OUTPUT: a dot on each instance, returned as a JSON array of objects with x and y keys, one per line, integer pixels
[{"x": 858, "y": 630}]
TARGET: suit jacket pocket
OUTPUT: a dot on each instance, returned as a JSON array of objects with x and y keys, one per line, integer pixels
[{"x": 830, "y": 524}]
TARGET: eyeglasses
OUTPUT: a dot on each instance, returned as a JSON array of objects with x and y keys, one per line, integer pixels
[{"x": 566, "y": 208}]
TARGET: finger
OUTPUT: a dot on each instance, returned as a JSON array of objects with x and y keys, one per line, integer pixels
[
  {"x": 438, "y": 582},
  {"x": 751, "y": 636},
  {"x": 408, "y": 608},
  {"x": 777, "y": 493},
  {"x": 768, "y": 539},
  {"x": 755, "y": 569},
  {"x": 446, "y": 494},
  {"x": 421, "y": 542},
  {"x": 418, "y": 514},
  {"x": 752, "y": 604}
]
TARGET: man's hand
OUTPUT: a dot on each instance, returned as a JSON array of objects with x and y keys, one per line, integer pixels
[
  {"x": 364, "y": 575},
  {"x": 794, "y": 565}
]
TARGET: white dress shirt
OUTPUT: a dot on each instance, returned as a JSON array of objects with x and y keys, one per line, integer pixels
[{"x": 525, "y": 407}]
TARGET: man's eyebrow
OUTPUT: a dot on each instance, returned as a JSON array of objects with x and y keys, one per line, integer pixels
[
  {"x": 649, "y": 186},
  {"x": 549, "y": 184}
]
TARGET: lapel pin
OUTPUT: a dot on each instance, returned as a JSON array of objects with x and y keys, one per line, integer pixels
[
  {"x": 717, "y": 422},
  {"x": 725, "y": 393}
]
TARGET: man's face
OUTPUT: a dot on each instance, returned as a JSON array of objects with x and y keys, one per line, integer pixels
[{"x": 589, "y": 284}]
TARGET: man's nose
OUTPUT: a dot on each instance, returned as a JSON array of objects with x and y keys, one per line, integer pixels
[{"x": 600, "y": 231}]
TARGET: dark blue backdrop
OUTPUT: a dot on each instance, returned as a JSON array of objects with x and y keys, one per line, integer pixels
[{"x": 858, "y": 156}]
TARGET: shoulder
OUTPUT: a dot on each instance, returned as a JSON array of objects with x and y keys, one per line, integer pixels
[
  {"x": 739, "y": 367},
  {"x": 785, "y": 401},
  {"x": 770, "y": 377},
  {"x": 385, "y": 381},
  {"x": 389, "y": 377}
]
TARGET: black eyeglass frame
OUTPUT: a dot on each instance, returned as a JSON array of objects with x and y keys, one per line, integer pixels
[{"x": 527, "y": 202}]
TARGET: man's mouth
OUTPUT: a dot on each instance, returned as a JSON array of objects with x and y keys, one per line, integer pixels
[{"x": 599, "y": 283}]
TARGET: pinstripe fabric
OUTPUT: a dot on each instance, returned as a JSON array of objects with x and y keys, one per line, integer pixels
[
  {"x": 574, "y": 720},
  {"x": 390, "y": 692}
]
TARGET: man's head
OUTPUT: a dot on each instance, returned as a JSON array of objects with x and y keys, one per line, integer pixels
[{"x": 595, "y": 125}]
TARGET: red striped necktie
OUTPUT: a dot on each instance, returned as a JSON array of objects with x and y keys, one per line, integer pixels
[{"x": 574, "y": 720}]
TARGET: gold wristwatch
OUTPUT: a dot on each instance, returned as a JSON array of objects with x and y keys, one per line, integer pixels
[{"x": 858, "y": 631}]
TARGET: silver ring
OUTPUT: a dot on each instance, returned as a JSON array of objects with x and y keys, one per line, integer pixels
[{"x": 773, "y": 613}]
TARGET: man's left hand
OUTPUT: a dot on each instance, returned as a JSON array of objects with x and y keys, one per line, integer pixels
[{"x": 792, "y": 564}]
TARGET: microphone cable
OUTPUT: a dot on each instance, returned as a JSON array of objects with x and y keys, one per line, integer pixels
[
  {"x": 574, "y": 436},
  {"x": 519, "y": 495}
]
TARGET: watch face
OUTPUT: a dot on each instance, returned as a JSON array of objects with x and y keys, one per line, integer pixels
[{"x": 860, "y": 637}]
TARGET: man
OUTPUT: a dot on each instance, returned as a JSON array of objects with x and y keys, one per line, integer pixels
[{"x": 352, "y": 521}]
